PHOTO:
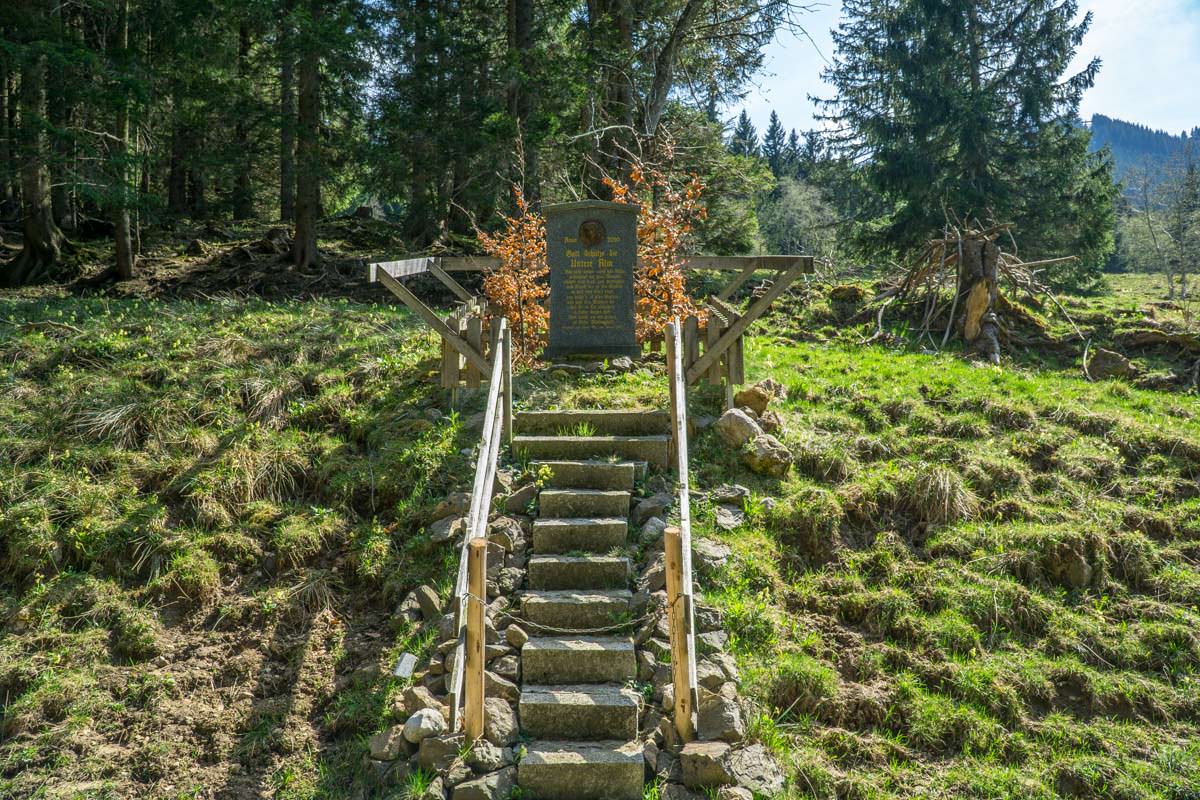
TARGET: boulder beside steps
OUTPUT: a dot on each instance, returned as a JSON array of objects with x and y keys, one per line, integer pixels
[{"x": 574, "y": 704}]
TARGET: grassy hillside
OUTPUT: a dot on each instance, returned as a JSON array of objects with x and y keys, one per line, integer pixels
[
  {"x": 976, "y": 582},
  {"x": 207, "y": 512},
  {"x": 982, "y": 583}
]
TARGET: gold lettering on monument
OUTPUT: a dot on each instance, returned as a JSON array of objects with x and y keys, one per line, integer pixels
[{"x": 591, "y": 279}]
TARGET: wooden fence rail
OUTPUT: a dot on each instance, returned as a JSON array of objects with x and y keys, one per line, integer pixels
[{"x": 465, "y": 347}]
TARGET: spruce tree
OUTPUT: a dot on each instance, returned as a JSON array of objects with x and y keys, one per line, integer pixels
[
  {"x": 1183, "y": 217},
  {"x": 774, "y": 145},
  {"x": 965, "y": 108},
  {"x": 791, "y": 153},
  {"x": 744, "y": 141}
]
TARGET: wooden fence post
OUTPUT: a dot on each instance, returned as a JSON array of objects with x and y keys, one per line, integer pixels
[
  {"x": 473, "y": 674},
  {"x": 475, "y": 339},
  {"x": 691, "y": 343},
  {"x": 677, "y": 610}
]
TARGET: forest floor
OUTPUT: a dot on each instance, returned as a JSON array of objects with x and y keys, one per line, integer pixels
[{"x": 976, "y": 582}]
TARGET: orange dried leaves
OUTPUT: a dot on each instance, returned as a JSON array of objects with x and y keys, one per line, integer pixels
[
  {"x": 666, "y": 218},
  {"x": 518, "y": 289}
]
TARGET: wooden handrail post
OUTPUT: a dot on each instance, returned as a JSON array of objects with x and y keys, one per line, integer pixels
[
  {"x": 506, "y": 346},
  {"x": 677, "y": 617},
  {"x": 473, "y": 675},
  {"x": 672, "y": 377}
]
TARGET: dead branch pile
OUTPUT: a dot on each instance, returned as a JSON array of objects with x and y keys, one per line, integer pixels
[{"x": 956, "y": 282}]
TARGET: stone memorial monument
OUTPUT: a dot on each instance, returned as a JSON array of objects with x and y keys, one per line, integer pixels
[{"x": 591, "y": 249}]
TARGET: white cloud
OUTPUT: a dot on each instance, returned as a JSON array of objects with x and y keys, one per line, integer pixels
[{"x": 1150, "y": 51}]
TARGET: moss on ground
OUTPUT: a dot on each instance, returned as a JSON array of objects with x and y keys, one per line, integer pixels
[
  {"x": 208, "y": 512},
  {"x": 975, "y": 582}
]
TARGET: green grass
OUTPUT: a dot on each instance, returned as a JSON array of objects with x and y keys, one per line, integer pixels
[
  {"x": 207, "y": 513},
  {"x": 1044, "y": 336},
  {"x": 975, "y": 582}
]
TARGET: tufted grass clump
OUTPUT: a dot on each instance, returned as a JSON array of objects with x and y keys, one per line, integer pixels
[
  {"x": 192, "y": 496},
  {"x": 938, "y": 495},
  {"x": 996, "y": 599},
  {"x": 801, "y": 684}
]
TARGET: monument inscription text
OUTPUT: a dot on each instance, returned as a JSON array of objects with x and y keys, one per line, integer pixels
[{"x": 591, "y": 249}]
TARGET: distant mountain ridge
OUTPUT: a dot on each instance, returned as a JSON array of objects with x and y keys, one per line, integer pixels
[{"x": 1136, "y": 146}]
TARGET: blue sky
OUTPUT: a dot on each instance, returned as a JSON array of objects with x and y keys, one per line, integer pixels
[{"x": 1150, "y": 50}]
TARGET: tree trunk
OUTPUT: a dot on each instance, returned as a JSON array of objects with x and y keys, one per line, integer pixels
[
  {"x": 177, "y": 175},
  {"x": 287, "y": 118},
  {"x": 308, "y": 149},
  {"x": 522, "y": 93},
  {"x": 664, "y": 66},
  {"x": 420, "y": 226},
  {"x": 610, "y": 38},
  {"x": 43, "y": 239},
  {"x": 124, "y": 238},
  {"x": 8, "y": 195},
  {"x": 978, "y": 291},
  {"x": 197, "y": 183},
  {"x": 243, "y": 192},
  {"x": 61, "y": 144}
]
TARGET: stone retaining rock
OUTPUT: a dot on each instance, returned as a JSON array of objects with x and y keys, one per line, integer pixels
[
  {"x": 423, "y": 724},
  {"x": 493, "y": 786},
  {"x": 499, "y": 722},
  {"x": 735, "y": 427},
  {"x": 719, "y": 716},
  {"x": 487, "y": 757},
  {"x": 729, "y": 517},
  {"x": 446, "y": 529},
  {"x": 388, "y": 745},
  {"x": 703, "y": 764},
  {"x": 437, "y": 753},
  {"x": 653, "y": 506},
  {"x": 768, "y": 456},
  {"x": 755, "y": 397},
  {"x": 429, "y": 601},
  {"x": 756, "y": 769},
  {"x": 771, "y": 422},
  {"x": 709, "y": 556}
]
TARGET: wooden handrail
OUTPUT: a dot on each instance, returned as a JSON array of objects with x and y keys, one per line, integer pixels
[
  {"x": 679, "y": 561},
  {"x": 495, "y": 422},
  {"x": 746, "y": 266}
]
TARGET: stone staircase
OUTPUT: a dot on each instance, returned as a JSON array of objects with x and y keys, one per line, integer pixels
[
  {"x": 637, "y": 436},
  {"x": 576, "y": 707}
]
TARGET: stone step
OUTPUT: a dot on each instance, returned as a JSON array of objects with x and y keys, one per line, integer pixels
[
  {"x": 578, "y": 572},
  {"x": 550, "y": 660},
  {"x": 601, "y": 422},
  {"x": 582, "y": 712},
  {"x": 592, "y": 474},
  {"x": 581, "y": 771},
  {"x": 651, "y": 449},
  {"x": 582, "y": 609},
  {"x": 586, "y": 534},
  {"x": 559, "y": 503}
]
